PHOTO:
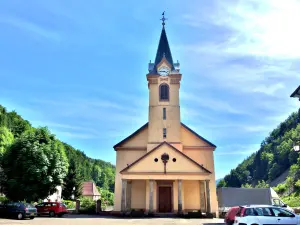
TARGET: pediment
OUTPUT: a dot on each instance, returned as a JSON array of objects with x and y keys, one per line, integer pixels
[{"x": 181, "y": 164}]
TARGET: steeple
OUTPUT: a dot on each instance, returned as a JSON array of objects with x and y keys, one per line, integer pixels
[{"x": 163, "y": 51}]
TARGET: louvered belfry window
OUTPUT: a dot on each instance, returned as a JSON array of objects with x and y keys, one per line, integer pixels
[{"x": 164, "y": 92}]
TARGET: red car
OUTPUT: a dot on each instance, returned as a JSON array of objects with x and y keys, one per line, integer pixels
[
  {"x": 51, "y": 209},
  {"x": 230, "y": 215}
]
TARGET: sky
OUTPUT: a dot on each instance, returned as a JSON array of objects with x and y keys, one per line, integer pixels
[{"x": 79, "y": 68}]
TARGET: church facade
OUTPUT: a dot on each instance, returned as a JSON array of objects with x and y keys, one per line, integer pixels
[{"x": 164, "y": 166}]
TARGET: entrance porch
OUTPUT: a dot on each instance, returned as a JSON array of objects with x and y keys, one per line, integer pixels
[{"x": 165, "y": 196}]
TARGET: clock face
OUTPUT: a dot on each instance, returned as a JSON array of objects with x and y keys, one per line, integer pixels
[{"x": 163, "y": 71}]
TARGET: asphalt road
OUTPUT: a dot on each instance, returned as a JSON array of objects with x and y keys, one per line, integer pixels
[{"x": 93, "y": 220}]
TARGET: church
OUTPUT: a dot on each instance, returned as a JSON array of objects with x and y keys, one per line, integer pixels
[{"x": 164, "y": 166}]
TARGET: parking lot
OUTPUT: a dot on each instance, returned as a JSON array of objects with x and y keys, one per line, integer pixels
[{"x": 93, "y": 220}]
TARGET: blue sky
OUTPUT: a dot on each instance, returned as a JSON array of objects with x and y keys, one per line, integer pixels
[{"x": 79, "y": 67}]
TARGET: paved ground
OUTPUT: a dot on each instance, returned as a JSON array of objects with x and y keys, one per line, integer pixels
[{"x": 93, "y": 220}]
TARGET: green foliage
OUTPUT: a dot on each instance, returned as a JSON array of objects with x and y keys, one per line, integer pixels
[
  {"x": 69, "y": 204},
  {"x": 6, "y": 139},
  {"x": 13, "y": 130},
  {"x": 35, "y": 156},
  {"x": 280, "y": 188},
  {"x": 274, "y": 157},
  {"x": 72, "y": 186},
  {"x": 3, "y": 199},
  {"x": 262, "y": 184},
  {"x": 222, "y": 183},
  {"x": 107, "y": 197},
  {"x": 292, "y": 200},
  {"x": 247, "y": 185},
  {"x": 87, "y": 205}
]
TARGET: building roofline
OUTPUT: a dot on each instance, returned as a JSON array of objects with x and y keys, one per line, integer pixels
[
  {"x": 148, "y": 153},
  {"x": 295, "y": 92}
]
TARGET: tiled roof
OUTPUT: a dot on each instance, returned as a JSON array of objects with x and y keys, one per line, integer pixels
[{"x": 89, "y": 189}]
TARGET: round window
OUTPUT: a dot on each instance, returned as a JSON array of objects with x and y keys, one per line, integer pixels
[
  {"x": 174, "y": 159},
  {"x": 156, "y": 160}
]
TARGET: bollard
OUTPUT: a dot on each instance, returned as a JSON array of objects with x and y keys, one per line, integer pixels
[
  {"x": 98, "y": 206},
  {"x": 77, "y": 206}
]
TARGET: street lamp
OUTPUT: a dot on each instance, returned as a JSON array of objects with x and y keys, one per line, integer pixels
[
  {"x": 73, "y": 196},
  {"x": 296, "y": 145},
  {"x": 296, "y": 93}
]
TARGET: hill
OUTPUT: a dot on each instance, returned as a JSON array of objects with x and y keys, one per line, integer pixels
[
  {"x": 101, "y": 172},
  {"x": 272, "y": 161}
]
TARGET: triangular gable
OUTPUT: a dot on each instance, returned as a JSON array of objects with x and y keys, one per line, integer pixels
[
  {"x": 130, "y": 137},
  {"x": 198, "y": 136},
  {"x": 147, "y": 163}
]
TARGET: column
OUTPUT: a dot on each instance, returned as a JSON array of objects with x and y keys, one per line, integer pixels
[
  {"x": 123, "y": 198},
  {"x": 202, "y": 196},
  {"x": 128, "y": 195},
  {"x": 179, "y": 196},
  {"x": 208, "y": 209},
  {"x": 151, "y": 184}
]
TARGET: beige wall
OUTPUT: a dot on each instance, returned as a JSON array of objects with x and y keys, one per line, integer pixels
[
  {"x": 191, "y": 194},
  {"x": 190, "y": 139},
  {"x": 138, "y": 194},
  {"x": 156, "y": 122},
  {"x": 123, "y": 158},
  {"x": 148, "y": 164},
  {"x": 139, "y": 140}
]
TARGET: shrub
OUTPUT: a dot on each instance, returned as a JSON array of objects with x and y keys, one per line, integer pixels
[
  {"x": 87, "y": 205},
  {"x": 3, "y": 199},
  {"x": 280, "y": 188},
  {"x": 292, "y": 200},
  {"x": 69, "y": 204}
]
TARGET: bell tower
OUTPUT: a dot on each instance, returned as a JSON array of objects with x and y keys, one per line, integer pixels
[{"x": 163, "y": 84}]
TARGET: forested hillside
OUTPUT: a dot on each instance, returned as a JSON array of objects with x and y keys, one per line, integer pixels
[
  {"x": 274, "y": 157},
  {"x": 17, "y": 134}
]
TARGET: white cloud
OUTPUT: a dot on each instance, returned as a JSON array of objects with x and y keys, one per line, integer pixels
[
  {"x": 237, "y": 149},
  {"x": 31, "y": 27}
]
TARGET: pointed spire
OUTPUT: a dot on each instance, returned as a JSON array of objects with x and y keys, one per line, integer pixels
[{"x": 163, "y": 50}]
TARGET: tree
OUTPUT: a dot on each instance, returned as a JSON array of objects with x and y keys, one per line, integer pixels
[
  {"x": 247, "y": 185},
  {"x": 35, "y": 156},
  {"x": 262, "y": 184},
  {"x": 72, "y": 183},
  {"x": 222, "y": 183},
  {"x": 6, "y": 139}
]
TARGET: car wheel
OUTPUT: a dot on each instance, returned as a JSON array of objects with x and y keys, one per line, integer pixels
[
  {"x": 20, "y": 216},
  {"x": 51, "y": 214},
  {"x": 32, "y": 217}
]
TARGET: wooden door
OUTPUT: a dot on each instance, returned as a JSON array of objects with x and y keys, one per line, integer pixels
[{"x": 165, "y": 199}]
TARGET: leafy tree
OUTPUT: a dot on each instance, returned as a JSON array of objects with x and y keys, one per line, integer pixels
[
  {"x": 6, "y": 139},
  {"x": 72, "y": 183},
  {"x": 222, "y": 183},
  {"x": 35, "y": 156},
  {"x": 247, "y": 185},
  {"x": 262, "y": 184}
]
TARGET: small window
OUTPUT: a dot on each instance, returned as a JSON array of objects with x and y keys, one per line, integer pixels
[
  {"x": 156, "y": 160},
  {"x": 164, "y": 92},
  {"x": 164, "y": 113},
  {"x": 174, "y": 159},
  {"x": 165, "y": 132}
]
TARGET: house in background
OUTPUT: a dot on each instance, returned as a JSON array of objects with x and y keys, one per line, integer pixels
[{"x": 90, "y": 190}]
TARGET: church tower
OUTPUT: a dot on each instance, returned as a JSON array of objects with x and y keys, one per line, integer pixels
[{"x": 164, "y": 107}]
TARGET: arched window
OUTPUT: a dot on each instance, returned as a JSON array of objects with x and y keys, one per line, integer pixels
[{"x": 164, "y": 92}]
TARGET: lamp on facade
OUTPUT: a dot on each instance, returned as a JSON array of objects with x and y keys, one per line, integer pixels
[
  {"x": 296, "y": 93},
  {"x": 165, "y": 158},
  {"x": 296, "y": 145}
]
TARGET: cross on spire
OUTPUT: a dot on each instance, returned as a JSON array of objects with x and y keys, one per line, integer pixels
[{"x": 163, "y": 19}]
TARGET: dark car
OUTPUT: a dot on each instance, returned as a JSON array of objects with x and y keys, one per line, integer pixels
[
  {"x": 230, "y": 215},
  {"x": 18, "y": 210},
  {"x": 52, "y": 209}
]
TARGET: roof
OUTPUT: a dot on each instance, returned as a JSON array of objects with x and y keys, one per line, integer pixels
[
  {"x": 163, "y": 50},
  {"x": 148, "y": 153},
  {"x": 202, "y": 138},
  {"x": 146, "y": 125},
  {"x": 296, "y": 93},
  {"x": 132, "y": 135},
  {"x": 89, "y": 189}
]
